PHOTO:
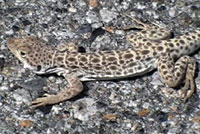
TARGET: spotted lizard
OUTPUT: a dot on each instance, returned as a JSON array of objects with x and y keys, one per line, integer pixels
[{"x": 152, "y": 49}]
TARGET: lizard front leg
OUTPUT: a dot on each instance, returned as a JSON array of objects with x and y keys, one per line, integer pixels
[
  {"x": 74, "y": 88},
  {"x": 174, "y": 73}
]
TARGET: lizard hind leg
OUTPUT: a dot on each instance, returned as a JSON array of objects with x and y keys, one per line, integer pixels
[{"x": 173, "y": 73}]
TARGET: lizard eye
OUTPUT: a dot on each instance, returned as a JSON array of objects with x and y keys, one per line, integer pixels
[
  {"x": 22, "y": 54},
  {"x": 39, "y": 67}
]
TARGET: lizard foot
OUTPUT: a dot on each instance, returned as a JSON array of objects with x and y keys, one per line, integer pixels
[
  {"x": 189, "y": 83},
  {"x": 46, "y": 100}
]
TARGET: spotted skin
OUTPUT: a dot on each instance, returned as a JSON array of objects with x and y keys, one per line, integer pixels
[{"x": 152, "y": 49}]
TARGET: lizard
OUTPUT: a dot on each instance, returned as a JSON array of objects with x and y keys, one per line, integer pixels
[{"x": 151, "y": 49}]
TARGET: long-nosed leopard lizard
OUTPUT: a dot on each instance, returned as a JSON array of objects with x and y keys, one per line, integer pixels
[{"x": 152, "y": 49}]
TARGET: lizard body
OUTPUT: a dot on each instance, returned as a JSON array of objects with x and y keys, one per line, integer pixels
[{"x": 152, "y": 49}]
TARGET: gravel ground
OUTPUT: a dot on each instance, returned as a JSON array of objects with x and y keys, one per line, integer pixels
[{"x": 140, "y": 105}]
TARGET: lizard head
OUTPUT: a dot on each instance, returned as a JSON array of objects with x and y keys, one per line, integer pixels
[{"x": 32, "y": 52}]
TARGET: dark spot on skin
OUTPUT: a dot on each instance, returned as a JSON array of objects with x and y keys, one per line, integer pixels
[
  {"x": 188, "y": 38},
  {"x": 115, "y": 62},
  {"x": 95, "y": 60},
  {"x": 191, "y": 44},
  {"x": 194, "y": 37},
  {"x": 139, "y": 67},
  {"x": 83, "y": 59},
  {"x": 175, "y": 57},
  {"x": 170, "y": 77},
  {"x": 177, "y": 44},
  {"x": 121, "y": 61},
  {"x": 60, "y": 58},
  {"x": 153, "y": 32},
  {"x": 182, "y": 41},
  {"x": 123, "y": 67},
  {"x": 49, "y": 56},
  {"x": 149, "y": 44},
  {"x": 111, "y": 58},
  {"x": 66, "y": 62},
  {"x": 186, "y": 48},
  {"x": 165, "y": 72},
  {"x": 108, "y": 73},
  {"x": 85, "y": 68},
  {"x": 159, "y": 48},
  {"x": 199, "y": 35},
  {"x": 130, "y": 70},
  {"x": 178, "y": 74},
  {"x": 104, "y": 63},
  {"x": 182, "y": 67},
  {"x": 163, "y": 67},
  {"x": 132, "y": 64},
  {"x": 125, "y": 72},
  {"x": 71, "y": 59},
  {"x": 144, "y": 40},
  {"x": 98, "y": 67},
  {"x": 131, "y": 36},
  {"x": 148, "y": 59},
  {"x": 81, "y": 64},
  {"x": 154, "y": 53},
  {"x": 171, "y": 44},
  {"x": 128, "y": 56},
  {"x": 144, "y": 31},
  {"x": 160, "y": 34},
  {"x": 145, "y": 52},
  {"x": 175, "y": 40},
  {"x": 73, "y": 67},
  {"x": 169, "y": 66},
  {"x": 118, "y": 73},
  {"x": 184, "y": 61},
  {"x": 140, "y": 44},
  {"x": 181, "y": 47},
  {"x": 113, "y": 67},
  {"x": 138, "y": 58},
  {"x": 62, "y": 66},
  {"x": 167, "y": 50},
  {"x": 177, "y": 51}
]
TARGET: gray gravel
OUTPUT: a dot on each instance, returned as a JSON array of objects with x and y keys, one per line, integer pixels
[{"x": 140, "y": 105}]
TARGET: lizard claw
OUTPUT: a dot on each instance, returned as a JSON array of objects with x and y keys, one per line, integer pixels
[
  {"x": 46, "y": 100},
  {"x": 189, "y": 83}
]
